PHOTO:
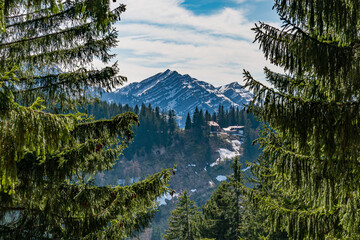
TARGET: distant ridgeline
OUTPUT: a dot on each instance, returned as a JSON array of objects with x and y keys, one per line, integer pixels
[
  {"x": 160, "y": 128},
  {"x": 171, "y": 90}
]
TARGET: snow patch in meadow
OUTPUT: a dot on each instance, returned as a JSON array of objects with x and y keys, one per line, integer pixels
[
  {"x": 221, "y": 178},
  {"x": 224, "y": 154},
  {"x": 236, "y": 145}
]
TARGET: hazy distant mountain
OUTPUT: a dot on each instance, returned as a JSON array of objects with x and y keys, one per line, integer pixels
[{"x": 171, "y": 90}]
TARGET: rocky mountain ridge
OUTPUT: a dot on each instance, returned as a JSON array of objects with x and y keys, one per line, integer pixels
[{"x": 182, "y": 93}]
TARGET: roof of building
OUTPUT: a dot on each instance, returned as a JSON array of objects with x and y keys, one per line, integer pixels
[
  {"x": 234, "y": 128},
  {"x": 212, "y": 123}
]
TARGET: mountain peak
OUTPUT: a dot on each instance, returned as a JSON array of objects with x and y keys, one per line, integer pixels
[
  {"x": 234, "y": 85},
  {"x": 169, "y": 71},
  {"x": 182, "y": 93}
]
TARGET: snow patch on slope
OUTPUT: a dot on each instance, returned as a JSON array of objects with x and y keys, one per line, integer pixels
[
  {"x": 228, "y": 154},
  {"x": 221, "y": 178}
]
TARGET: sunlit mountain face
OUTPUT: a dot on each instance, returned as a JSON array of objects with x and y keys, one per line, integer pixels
[{"x": 171, "y": 90}]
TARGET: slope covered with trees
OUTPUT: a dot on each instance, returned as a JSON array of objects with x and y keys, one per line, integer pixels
[
  {"x": 222, "y": 213},
  {"x": 228, "y": 214},
  {"x": 159, "y": 128},
  {"x": 182, "y": 222},
  {"x": 192, "y": 154},
  {"x": 48, "y": 159},
  {"x": 312, "y": 140}
]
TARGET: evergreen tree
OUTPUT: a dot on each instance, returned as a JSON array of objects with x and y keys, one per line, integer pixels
[
  {"x": 172, "y": 121},
  {"x": 188, "y": 122},
  {"x": 195, "y": 118},
  {"x": 221, "y": 215},
  {"x": 232, "y": 116},
  {"x": 254, "y": 223},
  {"x": 250, "y": 150},
  {"x": 214, "y": 117},
  {"x": 182, "y": 220},
  {"x": 221, "y": 117},
  {"x": 136, "y": 109},
  {"x": 198, "y": 125},
  {"x": 47, "y": 159},
  {"x": 207, "y": 116},
  {"x": 313, "y": 115}
]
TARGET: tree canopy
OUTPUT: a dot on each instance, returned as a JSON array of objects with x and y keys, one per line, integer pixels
[
  {"x": 222, "y": 213},
  {"x": 182, "y": 222},
  {"x": 49, "y": 153},
  {"x": 312, "y": 115}
]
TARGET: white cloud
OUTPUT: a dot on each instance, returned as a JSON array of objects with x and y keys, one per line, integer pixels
[{"x": 160, "y": 34}]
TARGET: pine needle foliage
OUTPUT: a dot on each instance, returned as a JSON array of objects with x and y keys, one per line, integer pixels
[
  {"x": 182, "y": 222},
  {"x": 48, "y": 159},
  {"x": 312, "y": 111},
  {"x": 223, "y": 212}
]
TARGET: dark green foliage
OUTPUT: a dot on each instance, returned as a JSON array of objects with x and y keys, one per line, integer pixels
[
  {"x": 198, "y": 124},
  {"x": 155, "y": 125},
  {"x": 221, "y": 215},
  {"x": 172, "y": 121},
  {"x": 188, "y": 122},
  {"x": 48, "y": 160},
  {"x": 221, "y": 119},
  {"x": 312, "y": 140},
  {"x": 207, "y": 116},
  {"x": 250, "y": 150},
  {"x": 156, "y": 128},
  {"x": 182, "y": 220},
  {"x": 254, "y": 222}
]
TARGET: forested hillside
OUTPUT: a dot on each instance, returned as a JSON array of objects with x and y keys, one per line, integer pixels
[
  {"x": 159, "y": 129},
  {"x": 200, "y": 157}
]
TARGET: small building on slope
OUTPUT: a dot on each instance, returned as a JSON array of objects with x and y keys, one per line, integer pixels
[
  {"x": 235, "y": 130},
  {"x": 214, "y": 127}
]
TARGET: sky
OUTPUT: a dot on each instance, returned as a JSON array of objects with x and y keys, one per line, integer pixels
[{"x": 210, "y": 40}]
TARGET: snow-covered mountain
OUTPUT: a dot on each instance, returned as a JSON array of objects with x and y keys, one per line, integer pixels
[{"x": 182, "y": 93}]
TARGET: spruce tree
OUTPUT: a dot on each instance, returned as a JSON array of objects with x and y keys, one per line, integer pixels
[
  {"x": 172, "y": 121},
  {"x": 214, "y": 117},
  {"x": 312, "y": 113},
  {"x": 182, "y": 220},
  {"x": 222, "y": 213},
  {"x": 221, "y": 117},
  {"x": 48, "y": 159},
  {"x": 207, "y": 116},
  {"x": 188, "y": 122},
  {"x": 254, "y": 223}
]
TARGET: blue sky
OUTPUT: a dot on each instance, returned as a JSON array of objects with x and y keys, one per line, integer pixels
[
  {"x": 256, "y": 9},
  {"x": 207, "y": 39}
]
